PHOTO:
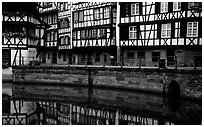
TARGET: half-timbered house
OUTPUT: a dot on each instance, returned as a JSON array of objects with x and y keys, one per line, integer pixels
[
  {"x": 49, "y": 14},
  {"x": 22, "y": 33},
  {"x": 64, "y": 33},
  {"x": 152, "y": 31},
  {"x": 93, "y": 34}
]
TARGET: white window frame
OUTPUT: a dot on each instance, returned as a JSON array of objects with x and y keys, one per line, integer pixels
[
  {"x": 192, "y": 29},
  {"x": 106, "y": 12},
  {"x": 176, "y": 6},
  {"x": 97, "y": 14},
  {"x": 166, "y": 30},
  {"x": 164, "y": 7},
  {"x": 135, "y": 9},
  {"x": 133, "y": 32}
]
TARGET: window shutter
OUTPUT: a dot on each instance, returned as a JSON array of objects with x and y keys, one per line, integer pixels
[
  {"x": 183, "y": 29},
  {"x": 128, "y": 9},
  {"x": 170, "y": 6},
  {"x": 124, "y": 32},
  {"x": 157, "y": 7},
  {"x": 140, "y": 7},
  {"x": 158, "y": 31},
  {"x": 172, "y": 29},
  {"x": 184, "y": 6},
  {"x": 200, "y": 29},
  {"x": 138, "y": 32}
]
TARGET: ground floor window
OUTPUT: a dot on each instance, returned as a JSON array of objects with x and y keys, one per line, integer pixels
[
  {"x": 130, "y": 55},
  {"x": 141, "y": 55},
  {"x": 155, "y": 56},
  {"x": 6, "y": 57}
]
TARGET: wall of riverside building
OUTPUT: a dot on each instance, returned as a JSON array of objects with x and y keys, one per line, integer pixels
[{"x": 149, "y": 80}]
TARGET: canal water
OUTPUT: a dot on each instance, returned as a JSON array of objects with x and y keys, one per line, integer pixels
[{"x": 52, "y": 104}]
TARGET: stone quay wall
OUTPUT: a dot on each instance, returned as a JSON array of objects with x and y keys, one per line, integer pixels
[{"x": 147, "y": 80}]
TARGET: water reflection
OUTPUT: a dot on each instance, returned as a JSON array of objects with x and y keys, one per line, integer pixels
[{"x": 97, "y": 106}]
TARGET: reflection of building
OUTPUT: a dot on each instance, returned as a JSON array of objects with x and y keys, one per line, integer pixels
[
  {"x": 22, "y": 32},
  {"x": 150, "y": 31}
]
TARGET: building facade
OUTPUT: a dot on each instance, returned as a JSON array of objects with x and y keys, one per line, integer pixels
[
  {"x": 22, "y": 33},
  {"x": 147, "y": 33},
  {"x": 152, "y": 31}
]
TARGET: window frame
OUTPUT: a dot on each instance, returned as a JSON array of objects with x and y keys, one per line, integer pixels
[
  {"x": 97, "y": 13},
  {"x": 155, "y": 56},
  {"x": 164, "y": 7},
  {"x": 106, "y": 12},
  {"x": 133, "y": 32},
  {"x": 136, "y": 10},
  {"x": 165, "y": 30},
  {"x": 132, "y": 56},
  {"x": 176, "y": 6},
  {"x": 192, "y": 28}
]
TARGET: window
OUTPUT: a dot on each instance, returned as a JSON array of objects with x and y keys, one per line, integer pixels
[
  {"x": 75, "y": 35},
  {"x": 155, "y": 56},
  {"x": 48, "y": 55},
  {"x": 164, "y": 6},
  {"x": 97, "y": 57},
  {"x": 81, "y": 16},
  {"x": 96, "y": 14},
  {"x": 75, "y": 16},
  {"x": 106, "y": 12},
  {"x": 131, "y": 55},
  {"x": 135, "y": 9},
  {"x": 55, "y": 36},
  {"x": 166, "y": 30},
  {"x": 105, "y": 58},
  {"x": 52, "y": 36},
  {"x": 64, "y": 57},
  {"x": 176, "y": 6},
  {"x": 59, "y": 56},
  {"x": 88, "y": 33},
  {"x": 133, "y": 32},
  {"x": 141, "y": 54},
  {"x": 192, "y": 29}
]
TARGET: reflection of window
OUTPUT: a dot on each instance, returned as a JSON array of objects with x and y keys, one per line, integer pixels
[
  {"x": 106, "y": 12},
  {"x": 83, "y": 34},
  {"x": 166, "y": 30},
  {"x": 155, "y": 56},
  {"x": 49, "y": 20},
  {"x": 54, "y": 19},
  {"x": 55, "y": 36},
  {"x": 102, "y": 33},
  {"x": 130, "y": 55},
  {"x": 94, "y": 33},
  {"x": 176, "y": 6},
  {"x": 48, "y": 36},
  {"x": 135, "y": 9},
  {"x": 192, "y": 29},
  {"x": 164, "y": 6},
  {"x": 133, "y": 32},
  {"x": 97, "y": 14}
]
